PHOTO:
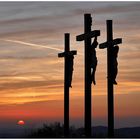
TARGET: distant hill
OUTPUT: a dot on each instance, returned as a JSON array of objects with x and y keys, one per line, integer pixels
[
  {"x": 99, "y": 131},
  {"x": 128, "y": 132},
  {"x": 133, "y": 132}
]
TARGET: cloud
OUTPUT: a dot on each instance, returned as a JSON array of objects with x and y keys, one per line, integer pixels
[
  {"x": 31, "y": 44},
  {"x": 126, "y": 55},
  {"x": 29, "y": 98},
  {"x": 106, "y": 7},
  {"x": 23, "y": 84}
]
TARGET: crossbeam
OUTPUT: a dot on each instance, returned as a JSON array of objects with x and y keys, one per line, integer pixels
[
  {"x": 91, "y": 34},
  {"x": 65, "y": 54},
  {"x": 112, "y": 43}
]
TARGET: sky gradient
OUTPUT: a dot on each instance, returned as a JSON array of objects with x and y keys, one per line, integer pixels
[{"x": 31, "y": 74}]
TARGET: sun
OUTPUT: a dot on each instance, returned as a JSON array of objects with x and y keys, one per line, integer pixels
[{"x": 20, "y": 122}]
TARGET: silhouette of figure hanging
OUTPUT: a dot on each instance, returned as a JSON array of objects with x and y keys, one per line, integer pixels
[
  {"x": 70, "y": 69},
  {"x": 115, "y": 51},
  {"x": 93, "y": 60}
]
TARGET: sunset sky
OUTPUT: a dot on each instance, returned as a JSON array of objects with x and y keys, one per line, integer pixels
[{"x": 31, "y": 74}]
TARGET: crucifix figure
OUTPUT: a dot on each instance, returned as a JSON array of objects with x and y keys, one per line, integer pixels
[
  {"x": 93, "y": 60},
  {"x": 115, "y": 51},
  {"x": 86, "y": 37},
  {"x": 112, "y": 70},
  {"x": 68, "y": 71}
]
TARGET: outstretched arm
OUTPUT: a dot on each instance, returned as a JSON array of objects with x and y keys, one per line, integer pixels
[
  {"x": 95, "y": 43},
  {"x": 95, "y": 38}
]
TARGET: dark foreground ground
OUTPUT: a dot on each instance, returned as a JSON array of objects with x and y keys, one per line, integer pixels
[{"x": 56, "y": 131}]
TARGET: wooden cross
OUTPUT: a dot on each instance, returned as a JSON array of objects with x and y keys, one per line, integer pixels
[
  {"x": 86, "y": 37},
  {"x": 109, "y": 45},
  {"x": 68, "y": 56}
]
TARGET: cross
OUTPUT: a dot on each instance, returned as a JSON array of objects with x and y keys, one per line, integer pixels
[
  {"x": 109, "y": 44},
  {"x": 68, "y": 69},
  {"x": 86, "y": 37}
]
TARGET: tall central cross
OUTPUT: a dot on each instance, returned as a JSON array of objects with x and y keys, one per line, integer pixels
[
  {"x": 110, "y": 74},
  {"x": 86, "y": 37},
  {"x": 68, "y": 69}
]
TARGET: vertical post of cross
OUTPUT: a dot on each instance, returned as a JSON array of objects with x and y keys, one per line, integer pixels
[
  {"x": 87, "y": 29},
  {"x": 66, "y": 87},
  {"x": 109, "y": 44},
  {"x": 110, "y": 83},
  {"x": 86, "y": 37},
  {"x": 68, "y": 70}
]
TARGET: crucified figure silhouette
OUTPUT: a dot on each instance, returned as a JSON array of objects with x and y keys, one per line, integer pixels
[
  {"x": 93, "y": 60},
  {"x": 70, "y": 69},
  {"x": 115, "y": 51}
]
